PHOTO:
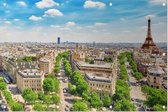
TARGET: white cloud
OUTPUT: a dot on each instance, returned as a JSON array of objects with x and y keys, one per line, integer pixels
[
  {"x": 94, "y": 4},
  {"x": 16, "y": 19},
  {"x": 110, "y": 4},
  {"x": 21, "y": 3},
  {"x": 70, "y": 24},
  {"x": 46, "y": 4},
  {"x": 55, "y": 26},
  {"x": 4, "y": 4},
  {"x": 7, "y": 22},
  {"x": 52, "y": 13},
  {"x": 100, "y": 24},
  {"x": 158, "y": 2},
  {"x": 151, "y": 16},
  {"x": 35, "y": 18}
]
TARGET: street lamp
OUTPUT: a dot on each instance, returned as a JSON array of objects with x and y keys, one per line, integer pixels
[{"x": 164, "y": 107}]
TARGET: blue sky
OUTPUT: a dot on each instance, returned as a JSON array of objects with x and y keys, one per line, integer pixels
[{"x": 82, "y": 20}]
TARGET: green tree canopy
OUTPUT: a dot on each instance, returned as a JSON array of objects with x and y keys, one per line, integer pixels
[
  {"x": 17, "y": 107},
  {"x": 29, "y": 95},
  {"x": 95, "y": 100},
  {"x": 40, "y": 95},
  {"x": 38, "y": 107},
  {"x": 47, "y": 99},
  {"x": 124, "y": 105},
  {"x": 3, "y": 86},
  {"x": 138, "y": 75},
  {"x": 72, "y": 88},
  {"x": 55, "y": 99},
  {"x": 48, "y": 85},
  {"x": 107, "y": 101},
  {"x": 80, "y": 106}
]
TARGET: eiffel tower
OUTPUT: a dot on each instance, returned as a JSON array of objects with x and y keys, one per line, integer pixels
[{"x": 148, "y": 44}]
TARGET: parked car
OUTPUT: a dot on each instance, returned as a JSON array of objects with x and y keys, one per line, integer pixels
[{"x": 65, "y": 80}]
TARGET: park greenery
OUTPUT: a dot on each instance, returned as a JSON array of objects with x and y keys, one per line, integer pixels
[
  {"x": 156, "y": 98},
  {"x": 29, "y": 58},
  {"x": 108, "y": 59},
  {"x": 14, "y": 106}
]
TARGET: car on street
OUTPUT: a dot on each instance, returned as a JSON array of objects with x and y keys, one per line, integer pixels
[
  {"x": 66, "y": 109},
  {"x": 65, "y": 80}
]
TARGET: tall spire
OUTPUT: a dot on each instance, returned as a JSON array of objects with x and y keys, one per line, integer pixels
[
  {"x": 149, "y": 29},
  {"x": 149, "y": 41}
]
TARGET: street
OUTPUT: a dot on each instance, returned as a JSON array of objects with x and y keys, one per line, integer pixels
[
  {"x": 65, "y": 97},
  {"x": 136, "y": 94}
]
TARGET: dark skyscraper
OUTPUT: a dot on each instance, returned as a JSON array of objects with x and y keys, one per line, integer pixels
[{"x": 58, "y": 40}]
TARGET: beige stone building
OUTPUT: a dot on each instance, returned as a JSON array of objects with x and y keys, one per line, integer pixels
[
  {"x": 155, "y": 76},
  {"x": 94, "y": 68},
  {"x": 101, "y": 83},
  {"x": 30, "y": 78},
  {"x": 45, "y": 65},
  {"x": 101, "y": 77}
]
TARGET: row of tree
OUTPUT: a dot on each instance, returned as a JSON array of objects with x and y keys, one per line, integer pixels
[
  {"x": 57, "y": 64},
  {"x": 137, "y": 75},
  {"x": 15, "y": 106},
  {"x": 122, "y": 97},
  {"x": 123, "y": 70},
  {"x": 67, "y": 67},
  {"x": 156, "y": 98}
]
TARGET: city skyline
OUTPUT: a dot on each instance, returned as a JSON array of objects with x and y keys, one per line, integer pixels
[{"x": 82, "y": 21}]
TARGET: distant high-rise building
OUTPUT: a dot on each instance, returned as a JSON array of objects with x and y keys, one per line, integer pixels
[
  {"x": 58, "y": 40},
  {"x": 94, "y": 43}
]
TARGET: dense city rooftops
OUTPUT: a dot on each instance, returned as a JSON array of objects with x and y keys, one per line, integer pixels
[
  {"x": 45, "y": 59},
  {"x": 98, "y": 77},
  {"x": 30, "y": 73},
  {"x": 84, "y": 64},
  {"x": 155, "y": 71}
]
